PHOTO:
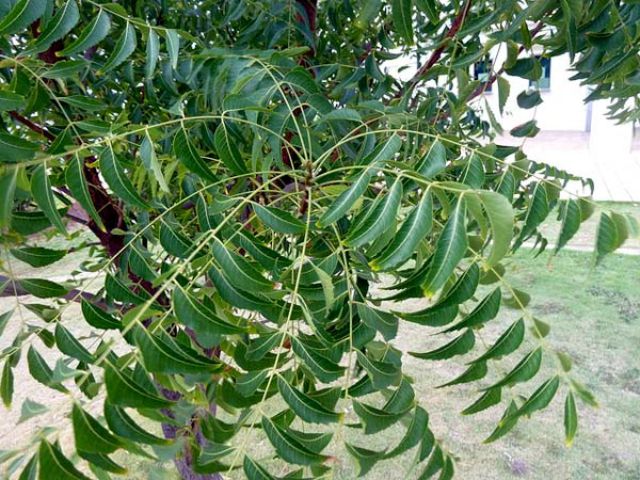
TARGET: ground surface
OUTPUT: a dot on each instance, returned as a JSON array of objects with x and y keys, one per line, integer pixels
[{"x": 595, "y": 317}]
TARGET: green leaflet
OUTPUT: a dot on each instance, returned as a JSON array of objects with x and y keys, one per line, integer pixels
[
  {"x": 304, "y": 406},
  {"x": 43, "y": 288},
  {"x": 431, "y": 316},
  {"x": 365, "y": 458},
  {"x": 504, "y": 87},
  {"x": 475, "y": 372},
  {"x": 410, "y": 234},
  {"x": 31, "y": 409},
  {"x": 414, "y": 434},
  {"x": 124, "y": 391},
  {"x": 323, "y": 368},
  {"x": 374, "y": 419},
  {"x": 15, "y": 149},
  {"x": 153, "y": 52},
  {"x": 56, "y": 28},
  {"x": 38, "y": 256},
  {"x": 102, "y": 461},
  {"x": 189, "y": 156},
  {"x": 150, "y": 161},
  {"x": 536, "y": 213},
  {"x": 570, "y": 419},
  {"x": 124, "y": 426},
  {"x": 507, "y": 343},
  {"x": 22, "y": 14},
  {"x": 401, "y": 12},
  {"x": 501, "y": 217},
  {"x": 69, "y": 345},
  {"x": 93, "y": 33},
  {"x": 507, "y": 422},
  {"x": 458, "y": 346},
  {"x": 7, "y": 191},
  {"x": 249, "y": 383},
  {"x": 98, "y": 318},
  {"x": 228, "y": 151},
  {"x": 11, "y": 101},
  {"x": 571, "y": 218},
  {"x": 40, "y": 371},
  {"x": 173, "y": 46},
  {"x": 462, "y": 290},
  {"x": 75, "y": 179},
  {"x": 381, "y": 374},
  {"x": 6, "y": 384},
  {"x": 202, "y": 319},
  {"x": 434, "y": 162},
  {"x": 474, "y": 172},
  {"x": 289, "y": 448},
  {"x": 611, "y": 234},
  {"x": 540, "y": 398},
  {"x": 384, "y": 322},
  {"x": 484, "y": 311},
  {"x": 254, "y": 471},
  {"x": 162, "y": 355},
  {"x": 380, "y": 217},
  {"x": 90, "y": 435},
  {"x": 384, "y": 152},
  {"x": 524, "y": 370},
  {"x": 239, "y": 271},
  {"x": 348, "y": 198},
  {"x": 278, "y": 220},
  {"x": 123, "y": 49},
  {"x": 173, "y": 241},
  {"x": 4, "y": 320},
  {"x": 53, "y": 464},
  {"x": 450, "y": 249},
  {"x": 118, "y": 180},
  {"x": 121, "y": 292},
  {"x": 43, "y": 196}
]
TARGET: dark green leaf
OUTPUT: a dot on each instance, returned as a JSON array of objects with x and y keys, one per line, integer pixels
[
  {"x": 458, "y": 346},
  {"x": 524, "y": 370},
  {"x": 93, "y": 33},
  {"x": 307, "y": 408},
  {"x": 43, "y": 196},
  {"x": 118, "y": 180},
  {"x": 189, "y": 156},
  {"x": 38, "y": 256},
  {"x": 90, "y": 435},
  {"x": 123, "y": 49},
  {"x": 53, "y": 464}
]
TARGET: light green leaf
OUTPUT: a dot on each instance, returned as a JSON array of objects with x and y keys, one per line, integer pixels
[
  {"x": 153, "y": 51},
  {"x": 384, "y": 322},
  {"x": 278, "y": 220},
  {"x": 90, "y": 436},
  {"x": 401, "y": 12},
  {"x": 189, "y": 156},
  {"x": 450, "y": 249},
  {"x": 11, "y": 101},
  {"x": 38, "y": 256},
  {"x": 458, "y": 346},
  {"x": 288, "y": 448},
  {"x": 484, "y": 311},
  {"x": 7, "y": 191},
  {"x": 92, "y": 34},
  {"x": 69, "y": 345},
  {"x": 22, "y": 14},
  {"x": 77, "y": 183},
  {"x": 150, "y": 161},
  {"x": 43, "y": 196},
  {"x": 410, "y": 234},
  {"x": 202, "y": 319},
  {"x": 347, "y": 199},
  {"x": 123, "y": 49},
  {"x": 239, "y": 271},
  {"x": 4, "y": 320},
  {"x": 15, "y": 149},
  {"x": 124, "y": 391},
  {"x": 43, "y": 288},
  {"x": 380, "y": 217},
  {"x": 501, "y": 217},
  {"x": 570, "y": 419},
  {"x": 118, "y": 180},
  {"x": 124, "y": 426},
  {"x": 304, "y": 406},
  {"x": 228, "y": 150},
  {"x": 523, "y": 371},
  {"x": 173, "y": 46},
  {"x": 31, "y": 409},
  {"x": 507, "y": 343},
  {"x": 53, "y": 464},
  {"x": 56, "y": 28}
]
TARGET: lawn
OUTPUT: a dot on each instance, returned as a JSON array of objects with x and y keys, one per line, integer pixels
[{"x": 594, "y": 316}]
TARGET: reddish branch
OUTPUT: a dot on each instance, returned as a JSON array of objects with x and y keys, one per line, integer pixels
[{"x": 458, "y": 21}]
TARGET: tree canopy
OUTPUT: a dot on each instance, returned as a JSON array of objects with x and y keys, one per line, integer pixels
[{"x": 254, "y": 196}]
